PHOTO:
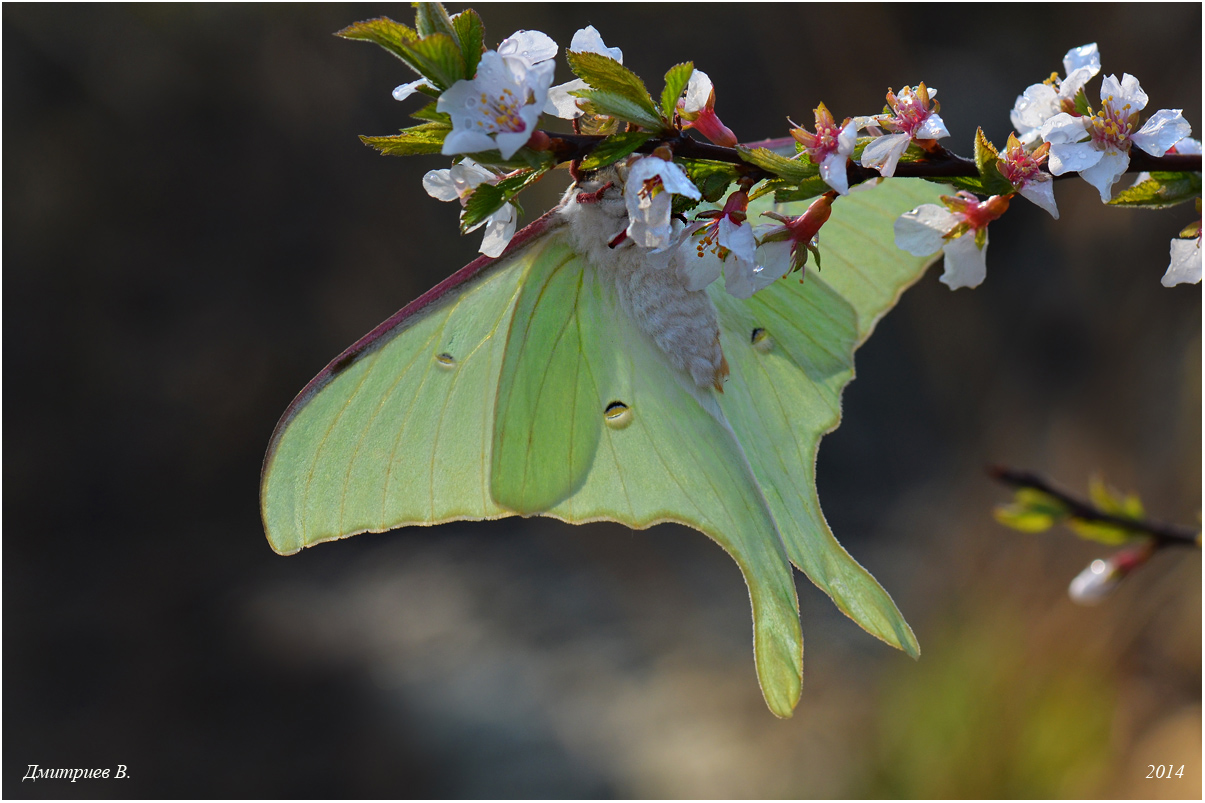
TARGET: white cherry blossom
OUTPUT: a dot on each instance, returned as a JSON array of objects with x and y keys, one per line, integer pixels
[
  {"x": 912, "y": 118},
  {"x": 457, "y": 184},
  {"x": 648, "y": 191},
  {"x": 958, "y": 229},
  {"x": 723, "y": 244},
  {"x": 830, "y": 147},
  {"x": 497, "y": 109},
  {"x": 1042, "y": 101},
  {"x": 1098, "y": 147}
]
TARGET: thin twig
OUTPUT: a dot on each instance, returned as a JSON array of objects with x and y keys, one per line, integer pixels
[{"x": 1166, "y": 534}]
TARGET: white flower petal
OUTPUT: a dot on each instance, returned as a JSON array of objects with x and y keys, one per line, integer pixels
[
  {"x": 676, "y": 181},
  {"x": 774, "y": 257},
  {"x": 1070, "y": 86},
  {"x": 588, "y": 40},
  {"x": 698, "y": 90},
  {"x": 529, "y": 47},
  {"x": 563, "y": 105},
  {"x": 738, "y": 239},
  {"x": 1040, "y": 190},
  {"x": 932, "y": 128},
  {"x": 1063, "y": 128},
  {"x": 1037, "y": 105},
  {"x": 699, "y": 271},
  {"x": 499, "y": 229},
  {"x": 1188, "y": 145},
  {"x": 965, "y": 262},
  {"x": 440, "y": 186},
  {"x": 1072, "y": 157},
  {"x": 743, "y": 278},
  {"x": 1165, "y": 128},
  {"x": 1185, "y": 267},
  {"x": 406, "y": 90},
  {"x": 1104, "y": 174},
  {"x": 466, "y": 142},
  {"x": 1082, "y": 57},
  {"x": 884, "y": 153},
  {"x": 921, "y": 232},
  {"x": 833, "y": 171},
  {"x": 1127, "y": 91}
]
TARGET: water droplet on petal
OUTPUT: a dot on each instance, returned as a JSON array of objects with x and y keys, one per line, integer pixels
[
  {"x": 761, "y": 340},
  {"x": 617, "y": 415},
  {"x": 445, "y": 361}
]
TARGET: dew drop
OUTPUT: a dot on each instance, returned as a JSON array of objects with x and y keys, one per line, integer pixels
[
  {"x": 445, "y": 361},
  {"x": 761, "y": 340},
  {"x": 617, "y": 415}
]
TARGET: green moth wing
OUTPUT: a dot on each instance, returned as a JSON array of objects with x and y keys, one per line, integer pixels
[{"x": 516, "y": 387}]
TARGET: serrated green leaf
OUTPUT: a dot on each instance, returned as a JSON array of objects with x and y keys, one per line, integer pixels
[
  {"x": 605, "y": 74},
  {"x": 1019, "y": 518},
  {"x": 430, "y": 112},
  {"x": 614, "y": 148},
  {"x": 985, "y": 151},
  {"x": 682, "y": 204},
  {"x": 675, "y": 84},
  {"x": 712, "y": 178},
  {"x": 430, "y": 18},
  {"x": 440, "y": 57},
  {"x": 793, "y": 170},
  {"x": 470, "y": 32},
  {"x": 1160, "y": 191},
  {"x": 436, "y": 58},
  {"x": 417, "y": 140},
  {"x": 489, "y": 198},
  {"x": 1100, "y": 532},
  {"x": 485, "y": 201},
  {"x": 769, "y": 186},
  {"x": 1191, "y": 230},
  {"x": 961, "y": 183},
  {"x": 598, "y": 101}
]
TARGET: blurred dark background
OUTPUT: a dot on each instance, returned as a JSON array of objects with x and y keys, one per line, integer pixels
[{"x": 193, "y": 231}]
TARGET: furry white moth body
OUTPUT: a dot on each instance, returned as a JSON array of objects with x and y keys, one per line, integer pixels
[{"x": 651, "y": 290}]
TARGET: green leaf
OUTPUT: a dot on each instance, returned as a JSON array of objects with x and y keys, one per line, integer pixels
[
  {"x": 801, "y": 191},
  {"x": 436, "y": 58},
  {"x": 675, "y": 84},
  {"x": 1101, "y": 532},
  {"x": 793, "y": 170},
  {"x": 431, "y": 18},
  {"x": 1082, "y": 107},
  {"x": 470, "y": 32},
  {"x": 607, "y": 75},
  {"x": 489, "y": 198},
  {"x": 485, "y": 201},
  {"x": 614, "y": 148},
  {"x": 602, "y": 102},
  {"x": 1019, "y": 518},
  {"x": 712, "y": 178},
  {"x": 1160, "y": 191},
  {"x": 962, "y": 183},
  {"x": 430, "y": 112},
  {"x": 440, "y": 58},
  {"x": 416, "y": 140}
]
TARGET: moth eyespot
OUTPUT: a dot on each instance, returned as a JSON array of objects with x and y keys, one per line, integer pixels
[
  {"x": 761, "y": 340},
  {"x": 617, "y": 415},
  {"x": 445, "y": 361}
]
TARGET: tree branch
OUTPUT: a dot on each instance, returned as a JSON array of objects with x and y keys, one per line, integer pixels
[
  {"x": 941, "y": 164},
  {"x": 1166, "y": 534}
]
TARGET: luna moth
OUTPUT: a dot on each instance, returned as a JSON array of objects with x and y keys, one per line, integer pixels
[{"x": 571, "y": 379}]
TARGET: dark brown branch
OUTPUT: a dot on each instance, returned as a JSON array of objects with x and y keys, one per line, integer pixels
[
  {"x": 941, "y": 163},
  {"x": 1166, "y": 534}
]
